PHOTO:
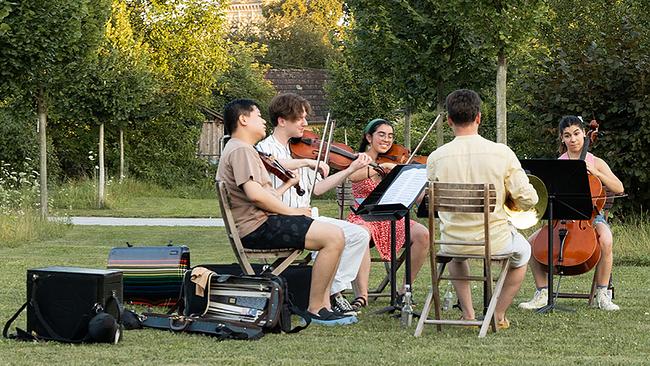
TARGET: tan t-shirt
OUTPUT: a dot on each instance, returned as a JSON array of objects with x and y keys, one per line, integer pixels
[
  {"x": 474, "y": 159},
  {"x": 240, "y": 163}
]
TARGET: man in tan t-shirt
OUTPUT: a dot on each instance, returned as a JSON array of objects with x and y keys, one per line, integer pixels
[
  {"x": 470, "y": 158},
  {"x": 264, "y": 221}
]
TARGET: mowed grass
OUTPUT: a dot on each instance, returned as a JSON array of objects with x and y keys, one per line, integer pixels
[
  {"x": 172, "y": 207},
  {"x": 586, "y": 336}
]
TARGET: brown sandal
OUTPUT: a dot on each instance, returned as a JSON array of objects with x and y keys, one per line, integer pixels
[{"x": 358, "y": 303}]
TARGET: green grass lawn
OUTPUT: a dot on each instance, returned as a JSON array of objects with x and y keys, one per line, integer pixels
[
  {"x": 586, "y": 336},
  {"x": 173, "y": 207}
]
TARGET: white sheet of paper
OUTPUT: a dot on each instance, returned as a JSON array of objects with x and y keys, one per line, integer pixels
[{"x": 406, "y": 187}]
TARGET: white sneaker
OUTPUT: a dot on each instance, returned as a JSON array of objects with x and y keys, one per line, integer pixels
[
  {"x": 539, "y": 300},
  {"x": 604, "y": 302}
]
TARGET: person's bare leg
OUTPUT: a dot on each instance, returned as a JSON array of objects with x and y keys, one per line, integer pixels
[
  {"x": 604, "y": 267},
  {"x": 539, "y": 275},
  {"x": 511, "y": 286},
  {"x": 329, "y": 241},
  {"x": 363, "y": 277},
  {"x": 419, "y": 248},
  {"x": 463, "y": 290}
]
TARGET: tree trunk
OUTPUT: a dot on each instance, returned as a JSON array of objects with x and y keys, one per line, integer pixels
[
  {"x": 121, "y": 154},
  {"x": 101, "y": 198},
  {"x": 440, "y": 107},
  {"x": 502, "y": 69},
  {"x": 42, "y": 142},
  {"x": 407, "y": 128}
]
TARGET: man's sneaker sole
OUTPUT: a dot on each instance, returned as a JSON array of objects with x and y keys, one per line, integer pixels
[
  {"x": 527, "y": 306},
  {"x": 334, "y": 322}
]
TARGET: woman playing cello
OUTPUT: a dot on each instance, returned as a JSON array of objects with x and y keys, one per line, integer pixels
[
  {"x": 572, "y": 139},
  {"x": 377, "y": 139}
]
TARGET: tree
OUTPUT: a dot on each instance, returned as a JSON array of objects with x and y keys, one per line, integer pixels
[
  {"x": 118, "y": 84},
  {"x": 505, "y": 26},
  {"x": 188, "y": 46},
  {"x": 189, "y": 52},
  {"x": 413, "y": 51},
  {"x": 42, "y": 44}
]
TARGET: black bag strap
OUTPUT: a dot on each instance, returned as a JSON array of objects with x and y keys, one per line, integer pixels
[
  {"x": 286, "y": 327},
  {"x": 191, "y": 324},
  {"x": 19, "y": 332},
  {"x": 288, "y": 308}
]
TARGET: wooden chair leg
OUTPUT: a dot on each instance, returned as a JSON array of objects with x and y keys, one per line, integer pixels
[
  {"x": 592, "y": 292},
  {"x": 283, "y": 263},
  {"x": 489, "y": 318},
  {"x": 436, "y": 296},
  {"x": 426, "y": 309}
]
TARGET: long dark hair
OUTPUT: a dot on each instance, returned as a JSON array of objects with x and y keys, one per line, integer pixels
[
  {"x": 567, "y": 121},
  {"x": 371, "y": 127}
]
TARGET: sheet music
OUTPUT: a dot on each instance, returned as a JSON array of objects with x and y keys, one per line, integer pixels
[{"x": 405, "y": 187}]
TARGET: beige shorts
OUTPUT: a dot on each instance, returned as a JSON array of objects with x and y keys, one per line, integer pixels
[{"x": 519, "y": 248}]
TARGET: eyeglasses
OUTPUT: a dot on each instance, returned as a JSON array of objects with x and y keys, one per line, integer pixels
[{"x": 384, "y": 135}]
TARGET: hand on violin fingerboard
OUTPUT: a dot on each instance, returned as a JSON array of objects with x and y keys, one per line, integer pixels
[
  {"x": 296, "y": 177},
  {"x": 362, "y": 161},
  {"x": 323, "y": 168}
]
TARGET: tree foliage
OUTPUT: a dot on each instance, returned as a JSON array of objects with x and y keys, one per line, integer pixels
[
  {"x": 115, "y": 88},
  {"x": 42, "y": 45},
  {"x": 244, "y": 77},
  {"x": 594, "y": 62},
  {"x": 412, "y": 52},
  {"x": 296, "y": 33}
]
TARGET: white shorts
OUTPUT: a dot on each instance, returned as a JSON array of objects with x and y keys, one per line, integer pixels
[{"x": 519, "y": 248}]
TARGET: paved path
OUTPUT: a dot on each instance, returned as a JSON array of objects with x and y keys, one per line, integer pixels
[{"x": 137, "y": 221}]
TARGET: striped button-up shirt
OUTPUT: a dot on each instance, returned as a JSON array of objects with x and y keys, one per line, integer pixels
[{"x": 281, "y": 152}]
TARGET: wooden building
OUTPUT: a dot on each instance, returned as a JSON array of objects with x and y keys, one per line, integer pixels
[{"x": 209, "y": 144}]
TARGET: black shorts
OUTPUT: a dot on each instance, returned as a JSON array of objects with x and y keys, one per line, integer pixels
[{"x": 279, "y": 232}]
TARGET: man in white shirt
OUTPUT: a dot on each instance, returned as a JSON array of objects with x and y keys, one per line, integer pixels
[{"x": 288, "y": 113}]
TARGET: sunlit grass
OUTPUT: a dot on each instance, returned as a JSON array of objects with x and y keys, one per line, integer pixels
[
  {"x": 585, "y": 336},
  {"x": 79, "y": 197},
  {"x": 16, "y": 229}
]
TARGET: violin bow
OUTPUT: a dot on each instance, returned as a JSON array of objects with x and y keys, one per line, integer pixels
[
  {"x": 320, "y": 151},
  {"x": 415, "y": 151}
]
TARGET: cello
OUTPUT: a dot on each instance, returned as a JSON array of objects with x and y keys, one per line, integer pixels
[{"x": 579, "y": 250}]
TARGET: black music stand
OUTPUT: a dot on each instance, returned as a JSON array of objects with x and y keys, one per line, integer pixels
[
  {"x": 390, "y": 201},
  {"x": 569, "y": 198}
]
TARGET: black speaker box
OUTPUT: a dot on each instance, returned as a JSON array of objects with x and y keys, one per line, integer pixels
[{"x": 68, "y": 297}]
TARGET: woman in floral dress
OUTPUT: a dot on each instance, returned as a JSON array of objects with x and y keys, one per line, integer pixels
[{"x": 378, "y": 138}]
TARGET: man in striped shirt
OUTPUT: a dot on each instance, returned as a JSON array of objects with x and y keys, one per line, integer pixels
[{"x": 288, "y": 113}]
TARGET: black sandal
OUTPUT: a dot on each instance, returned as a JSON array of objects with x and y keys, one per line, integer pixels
[{"x": 358, "y": 303}]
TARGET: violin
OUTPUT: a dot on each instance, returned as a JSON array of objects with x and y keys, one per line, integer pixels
[
  {"x": 274, "y": 167},
  {"x": 340, "y": 157},
  {"x": 579, "y": 250},
  {"x": 398, "y": 154}
]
